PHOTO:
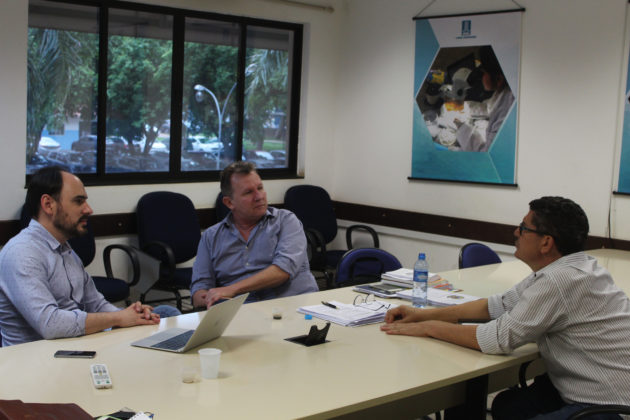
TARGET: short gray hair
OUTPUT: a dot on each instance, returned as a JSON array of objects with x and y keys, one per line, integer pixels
[{"x": 239, "y": 167}]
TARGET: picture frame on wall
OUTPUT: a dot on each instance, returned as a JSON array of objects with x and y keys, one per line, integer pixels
[{"x": 623, "y": 180}]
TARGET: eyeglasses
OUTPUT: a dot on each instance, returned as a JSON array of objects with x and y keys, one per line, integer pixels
[
  {"x": 522, "y": 228},
  {"x": 369, "y": 302}
]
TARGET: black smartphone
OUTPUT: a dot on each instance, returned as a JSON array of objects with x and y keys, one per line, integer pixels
[
  {"x": 75, "y": 353},
  {"x": 386, "y": 288},
  {"x": 371, "y": 289}
]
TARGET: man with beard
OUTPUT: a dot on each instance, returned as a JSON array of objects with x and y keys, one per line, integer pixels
[
  {"x": 569, "y": 306},
  {"x": 44, "y": 289}
]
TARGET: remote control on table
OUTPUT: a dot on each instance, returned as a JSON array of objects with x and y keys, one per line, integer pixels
[{"x": 100, "y": 376}]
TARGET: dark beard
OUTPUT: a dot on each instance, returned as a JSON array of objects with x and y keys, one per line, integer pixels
[{"x": 70, "y": 231}]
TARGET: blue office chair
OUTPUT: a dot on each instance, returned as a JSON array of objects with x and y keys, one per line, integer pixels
[
  {"x": 220, "y": 209},
  {"x": 475, "y": 254},
  {"x": 112, "y": 288},
  {"x": 364, "y": 265},
  {"x": 169, "y": 231},
  {"x": 313, "y": 206}
]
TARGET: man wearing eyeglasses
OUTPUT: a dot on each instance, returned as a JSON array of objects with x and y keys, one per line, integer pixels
[{"x": 569, "y": 306}]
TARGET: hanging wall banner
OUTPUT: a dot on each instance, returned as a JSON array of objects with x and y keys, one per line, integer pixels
[
  {"x": 466, "y": 98},
  {"x": 623, "y": 186}
]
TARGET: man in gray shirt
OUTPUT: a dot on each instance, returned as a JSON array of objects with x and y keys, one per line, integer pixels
[
  {"x": 44, "y": 289},
  {"x": 255, "y": 248},
  {"x": 569, "y": 306}
]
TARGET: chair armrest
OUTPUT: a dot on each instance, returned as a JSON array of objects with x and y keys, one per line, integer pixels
[
  {"x": 133, "y": 257},
  {"x": 600, "y": 409},
  {"x": 164, "y": 253},
  {"x": 371, "y": 231}
]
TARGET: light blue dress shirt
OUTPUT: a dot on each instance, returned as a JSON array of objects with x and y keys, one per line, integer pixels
[
  {"x": 44, "y": 290},
  {"x": 224, "y": 257}
]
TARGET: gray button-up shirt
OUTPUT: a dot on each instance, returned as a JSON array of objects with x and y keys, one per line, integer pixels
[{"x": 224, "y": 257}]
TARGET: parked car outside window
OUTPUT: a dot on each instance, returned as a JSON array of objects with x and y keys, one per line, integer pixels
[
  {"x": 200, "y": 143},
  {"x": 260, "y": 158},
  {"x": 84, "y": 143}
]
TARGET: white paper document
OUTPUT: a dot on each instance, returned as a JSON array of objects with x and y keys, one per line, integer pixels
[
  {"x": 350, "y": 315},
  {"x": 402, "y": 274},
  {"x": 439, "y": 297}
]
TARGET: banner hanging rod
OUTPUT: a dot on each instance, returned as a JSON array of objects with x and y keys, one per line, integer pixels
[
  {"x": 320, "y": 7},
  {"x": 470, "y": 14},
  {"x": 418, "y": 17}
]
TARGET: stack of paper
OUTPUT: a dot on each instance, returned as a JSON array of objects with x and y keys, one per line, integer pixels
[
  {"x": 439, "y": 297},
  {"x": 350, "y": 315},
  {"x": 404, "y": 277}
]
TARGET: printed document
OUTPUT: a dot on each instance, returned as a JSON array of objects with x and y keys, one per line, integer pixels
[{"x": 350, "y": 315}]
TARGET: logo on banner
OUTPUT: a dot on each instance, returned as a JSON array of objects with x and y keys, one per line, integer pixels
[
  {"x": 465, "y": 27},
  {"x": 466, "y": 30}
]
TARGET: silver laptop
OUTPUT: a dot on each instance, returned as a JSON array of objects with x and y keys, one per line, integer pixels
[{"x": 180, "y": 340}]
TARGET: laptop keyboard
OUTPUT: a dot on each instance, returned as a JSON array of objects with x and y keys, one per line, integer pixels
[{"x": 175, "y": 342}]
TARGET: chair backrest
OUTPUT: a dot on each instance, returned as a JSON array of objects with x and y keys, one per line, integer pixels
[
  {"x": 26, "y": 214},
  {"x": 170, "y": 218},
  {"x": 475, "y": 254},
  {"x": 364, "y": 265},
  {"x": 84, "y": 246},
  {"x": 220, "y": 209},
  {"x": 313, "y": 206}
]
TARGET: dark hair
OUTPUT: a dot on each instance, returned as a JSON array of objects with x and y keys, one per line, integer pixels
[
  {"x": 45, "y": 181},
  {"x": 238, "y": 167},
  {"x": 564, "y": 220}
]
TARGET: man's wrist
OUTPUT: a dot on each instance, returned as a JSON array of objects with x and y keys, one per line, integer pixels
[
  {"x": 234, "y": 289},
  {"x": 116, "y": 318}
]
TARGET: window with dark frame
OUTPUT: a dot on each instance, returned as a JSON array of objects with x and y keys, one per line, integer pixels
[{"x": 124, "y": 93}]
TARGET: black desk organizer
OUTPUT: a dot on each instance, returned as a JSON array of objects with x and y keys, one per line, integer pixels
[{"x": 313, "y": 338}]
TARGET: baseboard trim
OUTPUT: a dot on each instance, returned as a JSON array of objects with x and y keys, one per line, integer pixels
[{"x": 119, "y": 224}]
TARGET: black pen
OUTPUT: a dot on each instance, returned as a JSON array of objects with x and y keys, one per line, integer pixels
[{"x": 330, "y": 305}]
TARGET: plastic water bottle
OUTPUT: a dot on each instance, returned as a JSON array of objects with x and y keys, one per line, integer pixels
[{"x": 420, "y": 281}]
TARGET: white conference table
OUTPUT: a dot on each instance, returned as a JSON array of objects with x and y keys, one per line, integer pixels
[{"x": 360, "y": 372}]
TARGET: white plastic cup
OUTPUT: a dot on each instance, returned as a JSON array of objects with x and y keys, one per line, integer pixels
[{"x": 209, "y": 359}]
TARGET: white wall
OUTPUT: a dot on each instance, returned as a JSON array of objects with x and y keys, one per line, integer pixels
[
  {"x": 357, "y": 110},
  {"x": 572, "y": 69},
  {"x": 572, "y": 53},
  {"x": 13, "y": 28}
]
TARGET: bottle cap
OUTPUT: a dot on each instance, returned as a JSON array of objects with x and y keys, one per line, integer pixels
[
  {"x": 308, "y": 316},
  {"x": 421, "y": 256}
]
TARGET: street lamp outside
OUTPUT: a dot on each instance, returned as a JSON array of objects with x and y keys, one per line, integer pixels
[{"x": 199, "y": 93}]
